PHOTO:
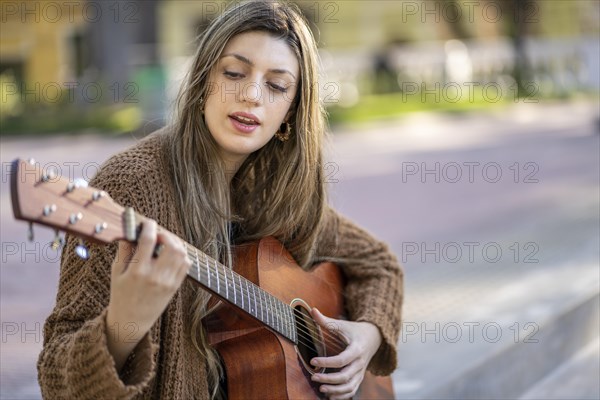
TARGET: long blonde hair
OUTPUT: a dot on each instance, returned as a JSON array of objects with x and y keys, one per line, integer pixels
[{"x": 279, "y": 189}]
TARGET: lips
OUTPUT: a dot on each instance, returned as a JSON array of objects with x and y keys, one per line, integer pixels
[
  {"x": 244, "y": 122},
  {"x": 245, "y": 118}
]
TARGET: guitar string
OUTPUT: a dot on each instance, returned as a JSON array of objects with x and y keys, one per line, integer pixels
[
  {"x": 307, "y": 341},
  {"x": 311, "y": 332},
  {"x": 302, "y": 331},
  {"x": 308, "y": 335}
]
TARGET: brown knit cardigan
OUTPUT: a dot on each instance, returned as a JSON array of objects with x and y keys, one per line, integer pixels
[{"x": 75, "y": 362}]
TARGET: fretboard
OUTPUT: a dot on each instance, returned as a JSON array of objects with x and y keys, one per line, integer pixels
[{"x": 242, "y": 293}]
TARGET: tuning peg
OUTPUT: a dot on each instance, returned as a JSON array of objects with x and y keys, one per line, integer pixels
[
  {"x": 77, "y": 183},
  {"x": 82, "y": 251},
  {"x": 30, "y": 232},
  {"x": 98, "y": 194},
  {"x": 58, "y": 241},
  {"x": 100, "y": 227},
  {"x": 31, "y": 161},
  {"x": 80, "y": 183},
  {"x": 73, "y": 218},
  {"x": 51, "y": 174},
  {"x": 49, "y": 209}
]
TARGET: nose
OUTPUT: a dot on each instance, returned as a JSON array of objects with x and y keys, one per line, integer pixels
[{"x": 251, "y": 92}]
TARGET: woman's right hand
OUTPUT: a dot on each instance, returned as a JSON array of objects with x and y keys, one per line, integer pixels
[{"x": 141, "y": 287}]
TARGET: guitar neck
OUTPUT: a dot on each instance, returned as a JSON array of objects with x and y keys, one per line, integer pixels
[{"x": 242, "y": 293}]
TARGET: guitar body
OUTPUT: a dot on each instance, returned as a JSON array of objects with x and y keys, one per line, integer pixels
[{"x": 262, "y": 364}]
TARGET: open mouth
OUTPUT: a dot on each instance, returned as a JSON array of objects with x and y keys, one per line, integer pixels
[{"x": 244, "y": 120}]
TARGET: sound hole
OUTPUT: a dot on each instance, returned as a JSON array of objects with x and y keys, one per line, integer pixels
[{"x": 310, "y": 341}]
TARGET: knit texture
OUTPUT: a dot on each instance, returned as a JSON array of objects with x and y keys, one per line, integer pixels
[{"x": 75, "y": 361}]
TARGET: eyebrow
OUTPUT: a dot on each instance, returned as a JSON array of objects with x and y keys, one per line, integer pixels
[{"x": 250, "y": 63}]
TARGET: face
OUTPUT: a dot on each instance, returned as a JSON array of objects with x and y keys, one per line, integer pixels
[{"x": 250, "y": 93}]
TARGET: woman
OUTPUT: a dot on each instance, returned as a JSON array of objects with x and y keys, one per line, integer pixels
[{"x": 241, "y": 161}]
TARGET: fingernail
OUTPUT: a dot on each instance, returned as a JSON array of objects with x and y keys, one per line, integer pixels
[{"x": 314, "y": 362}]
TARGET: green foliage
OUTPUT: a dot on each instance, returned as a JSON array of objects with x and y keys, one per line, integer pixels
[{"x": 50, "y": 120}]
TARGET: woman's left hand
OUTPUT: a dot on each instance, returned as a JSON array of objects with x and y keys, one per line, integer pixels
[{"x": 363, "y": 339}]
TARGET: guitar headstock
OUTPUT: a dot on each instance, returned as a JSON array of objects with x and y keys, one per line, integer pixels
[{"x": 43, "y": 197}]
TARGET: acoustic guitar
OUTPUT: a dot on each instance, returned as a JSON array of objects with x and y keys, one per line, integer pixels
[{"x": 262, "y": 327}]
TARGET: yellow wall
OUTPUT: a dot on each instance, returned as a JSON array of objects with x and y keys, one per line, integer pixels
[{"x": 37, "y": 34}]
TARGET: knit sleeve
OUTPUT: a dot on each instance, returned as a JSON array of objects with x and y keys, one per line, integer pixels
[
  {"x": 374, "y": 286},
  {"x": 75, "y": 362}
]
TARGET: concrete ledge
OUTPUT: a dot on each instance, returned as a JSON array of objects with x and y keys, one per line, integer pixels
[
  {"x": 577, "y": 379},
  {"x": 511, "y": 372}
]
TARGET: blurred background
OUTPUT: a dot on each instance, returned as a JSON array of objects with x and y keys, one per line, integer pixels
[{"x": 465, "y": 134}]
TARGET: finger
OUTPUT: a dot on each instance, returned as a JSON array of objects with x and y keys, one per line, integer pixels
[
  {"x": 332, "y": 325},
  {"x": 347, "y": 356},
  {"x": 145, "y": 244},
  {"x": 344, "y": 391},
  {"x": 339, "y": 377},
  {"x": 124, "y": 254},
  {"x": 173, "y": 257}
]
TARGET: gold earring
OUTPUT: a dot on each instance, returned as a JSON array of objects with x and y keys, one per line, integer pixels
[{"x": 283, "y": 134}]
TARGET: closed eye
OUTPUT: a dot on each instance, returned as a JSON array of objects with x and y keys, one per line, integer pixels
[
  {"x": 232, "y": 74},
  {"x": 278, "y": 88}
]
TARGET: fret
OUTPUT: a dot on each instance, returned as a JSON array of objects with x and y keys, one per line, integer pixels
[
  {"x": 273, "y": 312},
  {"x": 282, "y": 319},
  {"x": 283, "y": 315},
  {"x": 226, "y": 285},
  {"x": 269, "y": 321},
  {"x": 254, "y": 311},
  {"x": 262, "y": 317},
  {"x": 292, "y": 324},
  {"x": 255, "y": 303},
  {"x": 241, "y": 291},
  {"x": 262, "y": 306},
  {"x": 288, "y": 331},
  {"x": 277, "y": 322},
  {"x": 208, "y": 270},
  {"x": 198, "y": 264},
  {"x": 218, "y": 278},
  {"x": 234, "y": 289},
  {"x": 286, "y": 321}
]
